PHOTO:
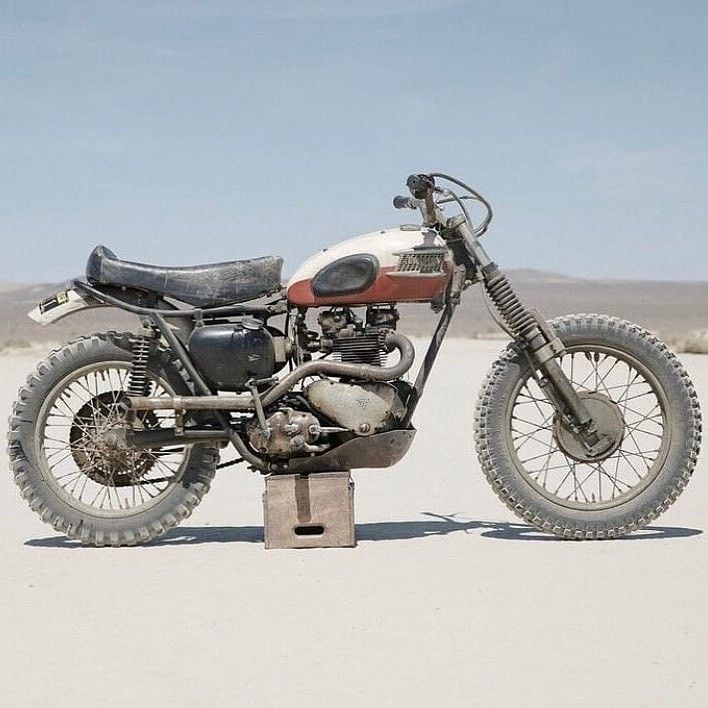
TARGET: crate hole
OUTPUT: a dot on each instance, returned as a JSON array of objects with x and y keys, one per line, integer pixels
[{"x": 309, "y": 530}]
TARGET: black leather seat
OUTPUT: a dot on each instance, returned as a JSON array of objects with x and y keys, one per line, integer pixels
[{"x": 201, "y": 286}]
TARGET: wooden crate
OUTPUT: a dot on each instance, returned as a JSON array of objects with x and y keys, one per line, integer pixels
[{"x": 309, "y": 511}]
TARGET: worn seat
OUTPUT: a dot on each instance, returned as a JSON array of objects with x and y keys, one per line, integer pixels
[{"x": 200, "y": 286}]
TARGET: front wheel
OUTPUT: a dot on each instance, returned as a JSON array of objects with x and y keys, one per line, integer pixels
[{"x": 645, "y": 400}]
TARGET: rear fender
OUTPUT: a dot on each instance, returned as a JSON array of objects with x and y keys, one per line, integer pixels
[{"x": 65, "y": 302}]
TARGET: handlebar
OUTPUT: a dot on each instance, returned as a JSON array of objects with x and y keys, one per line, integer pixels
[{"x": 424, "y": 190}]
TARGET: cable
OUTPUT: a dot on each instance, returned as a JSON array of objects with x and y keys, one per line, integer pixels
[
  {"x": 494, "y": 312},
  {"x": 482, "y": 228},
  {"x": 455, "y": 198}
]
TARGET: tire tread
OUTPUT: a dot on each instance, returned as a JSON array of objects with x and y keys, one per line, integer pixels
[
  {"x": 522, "y": 506},
  {"x": 204, "y": 458}
]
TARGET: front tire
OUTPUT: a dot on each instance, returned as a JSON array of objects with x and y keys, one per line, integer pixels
[
  {"x": 166, "y": 486},
  {"x": 534, "y": 470}
]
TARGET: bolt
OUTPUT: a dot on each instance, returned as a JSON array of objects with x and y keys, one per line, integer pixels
[{"x": 364, "y": 428}]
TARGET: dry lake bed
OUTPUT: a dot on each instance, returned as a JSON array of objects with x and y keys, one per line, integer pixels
[{"x": 448, "y": 599}]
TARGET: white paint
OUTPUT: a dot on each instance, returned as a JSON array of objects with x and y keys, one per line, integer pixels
[{"x": 382, "y": 244}]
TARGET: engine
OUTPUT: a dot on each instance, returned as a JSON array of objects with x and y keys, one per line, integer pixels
[
  {"x": 353, "y": 340},
  {"x": 329, "y": 410},
  {"x": 336, "y": 408},
  {"x": 360, "y": 408}
]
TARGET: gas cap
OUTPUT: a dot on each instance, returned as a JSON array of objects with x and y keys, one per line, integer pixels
[{"x": 251, "y": 323}]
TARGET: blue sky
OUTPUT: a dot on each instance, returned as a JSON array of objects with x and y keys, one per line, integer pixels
[{"x": 181, "y": 132}]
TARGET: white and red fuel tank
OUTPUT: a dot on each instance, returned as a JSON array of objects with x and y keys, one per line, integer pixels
[{"x": 404, "y": 264}]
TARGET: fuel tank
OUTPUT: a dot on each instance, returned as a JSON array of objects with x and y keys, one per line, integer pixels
[{"x": 405, "y": 264}]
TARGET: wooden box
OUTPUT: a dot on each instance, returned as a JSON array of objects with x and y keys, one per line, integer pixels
[{"x": 309, "y": 511}]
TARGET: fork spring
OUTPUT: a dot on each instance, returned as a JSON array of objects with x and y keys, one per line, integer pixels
[{"x": 517, "y": 317}]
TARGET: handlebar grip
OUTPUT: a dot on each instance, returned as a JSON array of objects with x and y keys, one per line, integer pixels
[{"x": 403, "y": 203}]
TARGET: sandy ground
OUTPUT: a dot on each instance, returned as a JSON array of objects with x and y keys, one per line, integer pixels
[{"x": 447, "y": 600}]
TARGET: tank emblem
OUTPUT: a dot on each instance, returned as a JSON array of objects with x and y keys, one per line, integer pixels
[{"x": 420, "y": 262}]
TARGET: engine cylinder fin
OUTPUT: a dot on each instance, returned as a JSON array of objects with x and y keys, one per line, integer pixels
[{"x": 362, "y": 349}]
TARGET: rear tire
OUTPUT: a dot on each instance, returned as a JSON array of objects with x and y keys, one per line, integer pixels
[
  {"x": 127, "y": 526},
  {"x": 588, "y": 518}
]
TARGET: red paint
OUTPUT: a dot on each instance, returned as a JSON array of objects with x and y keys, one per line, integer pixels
[{"x": 386, "y": 288}]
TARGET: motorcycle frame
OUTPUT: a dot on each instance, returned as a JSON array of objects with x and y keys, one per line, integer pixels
[
  {"x": 155, "y": 313},
  {"x": 158, "y": 316},
  {"x": 471, "y": 264}
]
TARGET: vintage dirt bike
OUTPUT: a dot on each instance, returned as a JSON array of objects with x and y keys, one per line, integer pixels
[{"x": 587, "y": 426}]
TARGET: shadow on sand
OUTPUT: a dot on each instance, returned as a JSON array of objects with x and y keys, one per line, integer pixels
[{"x": 435, "y": 525}]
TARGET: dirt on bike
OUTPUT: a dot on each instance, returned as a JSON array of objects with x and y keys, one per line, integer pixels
[{"x": 587, "y": 426}]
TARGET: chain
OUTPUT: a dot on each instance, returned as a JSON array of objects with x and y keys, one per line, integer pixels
[{"x": 230, "y": 463}]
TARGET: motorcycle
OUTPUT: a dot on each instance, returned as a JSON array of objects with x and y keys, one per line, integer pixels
[{"x": 587, "y": 426}]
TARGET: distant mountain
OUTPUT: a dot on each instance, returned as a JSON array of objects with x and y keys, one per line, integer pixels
[
  {"x": 11, "y": 287},
  {"x": 16, "y": 329},
  {"x": 529, "y": 275},
  {"x": 673, "y": 310}
]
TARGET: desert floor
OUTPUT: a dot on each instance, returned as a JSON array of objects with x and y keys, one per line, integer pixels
[{"x": 447, "y": 600}]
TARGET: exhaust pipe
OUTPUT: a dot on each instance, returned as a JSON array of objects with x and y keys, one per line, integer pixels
[
  {"x": 354, "y": 371},
  {"x": 192, "y": 403},
  {"x": 245, "y": 402}
]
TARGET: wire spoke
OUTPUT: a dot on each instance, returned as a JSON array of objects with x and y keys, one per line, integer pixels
[
  {"x": 88, "y": 464},
  {"x": 600, "y": 373}
]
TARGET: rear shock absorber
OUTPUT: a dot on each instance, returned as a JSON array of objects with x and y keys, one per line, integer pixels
[{"x": 138, "y": 381}]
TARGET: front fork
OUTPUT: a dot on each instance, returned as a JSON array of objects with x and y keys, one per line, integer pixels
[{"x": 540, "y": 344}]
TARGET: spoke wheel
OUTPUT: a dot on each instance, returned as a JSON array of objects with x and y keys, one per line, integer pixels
[
  {"x": 81, "y": 430},
  {"x": 71, "y": 456},
  {"x": 626, "y": 401},
  {"x": 645, "y": 408}
]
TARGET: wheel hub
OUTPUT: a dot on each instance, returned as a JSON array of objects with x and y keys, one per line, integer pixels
[
  {"x": 99, "y": 445},
  {"x": 610, "y": 428}
]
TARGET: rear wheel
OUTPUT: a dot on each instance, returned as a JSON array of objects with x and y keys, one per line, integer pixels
[
  {"x": 71, "y": 458},
  {"x": 640, "y": 397}
]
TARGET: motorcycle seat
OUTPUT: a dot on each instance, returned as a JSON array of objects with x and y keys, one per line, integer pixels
[{"x": 201, "y": 286}]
